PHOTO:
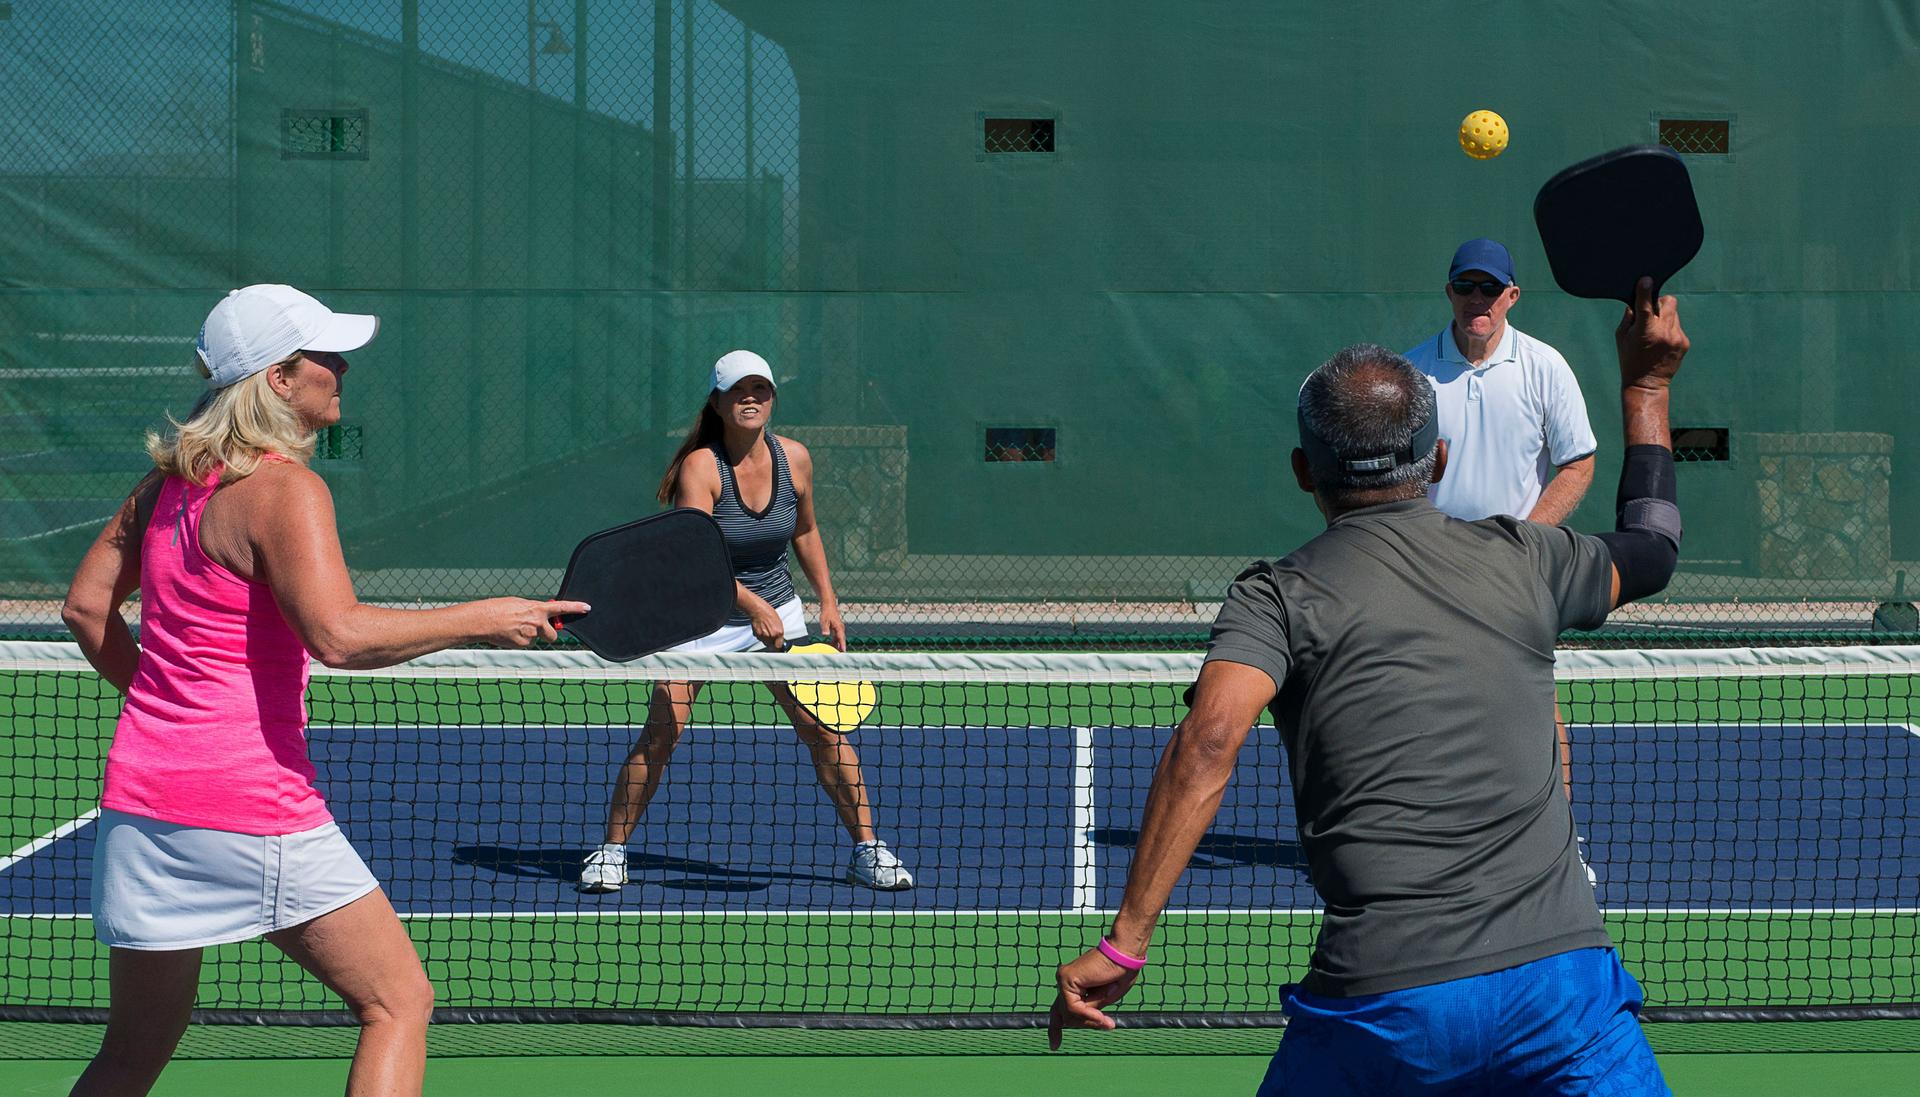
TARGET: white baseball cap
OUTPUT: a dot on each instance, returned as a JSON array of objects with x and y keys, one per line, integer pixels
[
  {"x": 736, "y": 365},
  {"x": 256, "y": 326}
]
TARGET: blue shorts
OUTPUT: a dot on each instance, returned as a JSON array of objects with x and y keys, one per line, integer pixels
[{"x": 1563, "y": 1025}]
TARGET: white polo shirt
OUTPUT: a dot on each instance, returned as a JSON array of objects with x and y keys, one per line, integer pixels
[{"x": 1508, "y": 423}]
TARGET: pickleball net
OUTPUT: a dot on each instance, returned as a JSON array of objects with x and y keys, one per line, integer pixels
[{"x": 1750, "y": 813}]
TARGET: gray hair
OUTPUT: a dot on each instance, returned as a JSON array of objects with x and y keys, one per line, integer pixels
[{"x": 1362, "y": 402}]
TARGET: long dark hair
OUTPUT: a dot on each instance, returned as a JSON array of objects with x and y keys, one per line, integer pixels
[{"x": 707, "y": 430}]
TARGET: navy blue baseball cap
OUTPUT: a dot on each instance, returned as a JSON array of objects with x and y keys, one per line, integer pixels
[{"x": 1483, "y": 254}]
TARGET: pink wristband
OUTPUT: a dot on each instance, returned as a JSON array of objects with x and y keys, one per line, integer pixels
[{"x": 1131, "y": 963}]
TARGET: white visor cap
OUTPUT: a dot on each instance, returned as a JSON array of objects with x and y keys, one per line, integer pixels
[
  {"x": 254, "y": 327},
  {"x": 737, "y": 365}
]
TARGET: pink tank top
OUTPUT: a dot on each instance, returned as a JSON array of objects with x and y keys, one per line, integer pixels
[{"x": 214, "y": 729}]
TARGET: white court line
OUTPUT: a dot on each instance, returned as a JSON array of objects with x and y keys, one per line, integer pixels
[
  {"x": 574, "y": 729},
  {"x": 1766, "y": 722},
  {"x": 927, "y": 729},
  {"x": 558, "y": 729},
  {"x": 1086, "y": 865},
  {"x": 1209, "y": 912},
  {"x": 892, "y": 915},
  {"x": 47, "y": 839}
]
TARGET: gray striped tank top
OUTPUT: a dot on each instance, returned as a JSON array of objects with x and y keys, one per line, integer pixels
[{"x": 757, "y": 540}]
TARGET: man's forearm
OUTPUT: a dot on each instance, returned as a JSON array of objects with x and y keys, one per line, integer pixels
[
  {"x": 1645, "y": 542},
  {"x": 1184, "y": 799},
  {"x": 1643, "y": 416},
  {"x": 1564, "y": 492}
]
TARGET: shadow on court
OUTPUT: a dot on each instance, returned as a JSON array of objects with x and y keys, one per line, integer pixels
[
  {"x": 1219, "y": 849},
  {"x": 563, "y": 864}
]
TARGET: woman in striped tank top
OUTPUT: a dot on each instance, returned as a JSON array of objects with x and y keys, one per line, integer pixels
[
  {"x": 211, "y": 826},
  {"x": 759, "y": 488}
]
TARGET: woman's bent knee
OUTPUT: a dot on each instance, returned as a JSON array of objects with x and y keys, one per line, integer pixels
[
  {"x": 417, "y": 1002},
  {"x": 408, "y": 1002}
]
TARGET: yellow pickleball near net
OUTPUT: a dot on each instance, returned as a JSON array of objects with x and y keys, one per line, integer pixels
[
  {"x": 840, "y": 705},
  {"x": 1483, "y": 135}
]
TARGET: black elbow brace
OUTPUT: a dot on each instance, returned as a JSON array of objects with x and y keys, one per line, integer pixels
[{"x": 1645, "y": 543}]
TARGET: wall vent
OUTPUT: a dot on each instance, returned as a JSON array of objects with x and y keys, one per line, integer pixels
[
  {"x": 1697, "y": 136},
  {"x": 1021, "y": 443},
  {"x": 323, "y": 135},
  {"x": 1019, "y": 135},
  {"x": 1701, "y": 444}
]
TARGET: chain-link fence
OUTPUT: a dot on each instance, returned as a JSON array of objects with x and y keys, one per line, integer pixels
[{"x": 1038, "y": 289}]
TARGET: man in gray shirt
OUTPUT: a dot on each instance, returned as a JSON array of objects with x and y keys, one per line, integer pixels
[{"x": 1460, "y": 943}]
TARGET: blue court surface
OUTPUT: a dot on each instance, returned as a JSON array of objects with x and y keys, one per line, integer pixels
[{"x": 494, "y": 821}]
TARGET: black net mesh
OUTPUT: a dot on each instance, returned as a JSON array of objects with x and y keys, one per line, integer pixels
[{"x": 1748, "y": 816}]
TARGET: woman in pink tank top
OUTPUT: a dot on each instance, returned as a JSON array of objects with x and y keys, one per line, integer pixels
[{"x": 209, "y": 802}]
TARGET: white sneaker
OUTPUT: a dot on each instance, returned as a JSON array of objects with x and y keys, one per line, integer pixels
[
  {"x": 875, "y": 866},
  {"x": 1580, "y": 847},
  {"x": 604, "y": 870}
]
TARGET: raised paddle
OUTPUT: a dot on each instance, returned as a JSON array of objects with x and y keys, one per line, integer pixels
[{"x": 1621, "y": 216}]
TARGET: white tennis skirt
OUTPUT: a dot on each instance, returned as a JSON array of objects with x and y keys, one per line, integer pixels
[
  {"x": 741, "y": 637},
  {"x": 161, "y": 886}
]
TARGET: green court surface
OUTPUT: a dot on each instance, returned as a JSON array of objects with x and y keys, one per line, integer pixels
[
  {"x": 994, "y": 1063},
  {"x": 726, "y": 964}
]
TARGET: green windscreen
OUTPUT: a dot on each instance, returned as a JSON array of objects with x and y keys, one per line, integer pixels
[{"x": 1038, "y": 283}]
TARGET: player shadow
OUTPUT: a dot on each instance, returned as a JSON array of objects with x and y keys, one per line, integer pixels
[
  {"x": 1219, "y": 849},
  {"x": 563, "y": 864}
]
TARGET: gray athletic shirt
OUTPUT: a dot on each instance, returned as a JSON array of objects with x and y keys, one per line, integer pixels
[{"x": 1414, "y": 656}]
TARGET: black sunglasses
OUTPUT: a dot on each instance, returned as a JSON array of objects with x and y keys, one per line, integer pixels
[
  {"x": 1464, "y": 287},
  {"x": 327, "y": 360}
]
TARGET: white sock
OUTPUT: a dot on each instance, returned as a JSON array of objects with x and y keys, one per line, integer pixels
[{"x": 613, "y": 847}]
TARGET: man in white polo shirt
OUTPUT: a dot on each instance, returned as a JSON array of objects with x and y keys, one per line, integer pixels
[{"x": 1518, "y": 441}]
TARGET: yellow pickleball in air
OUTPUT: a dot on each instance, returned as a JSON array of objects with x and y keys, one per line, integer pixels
[{"x": 1483, "y": 135}]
